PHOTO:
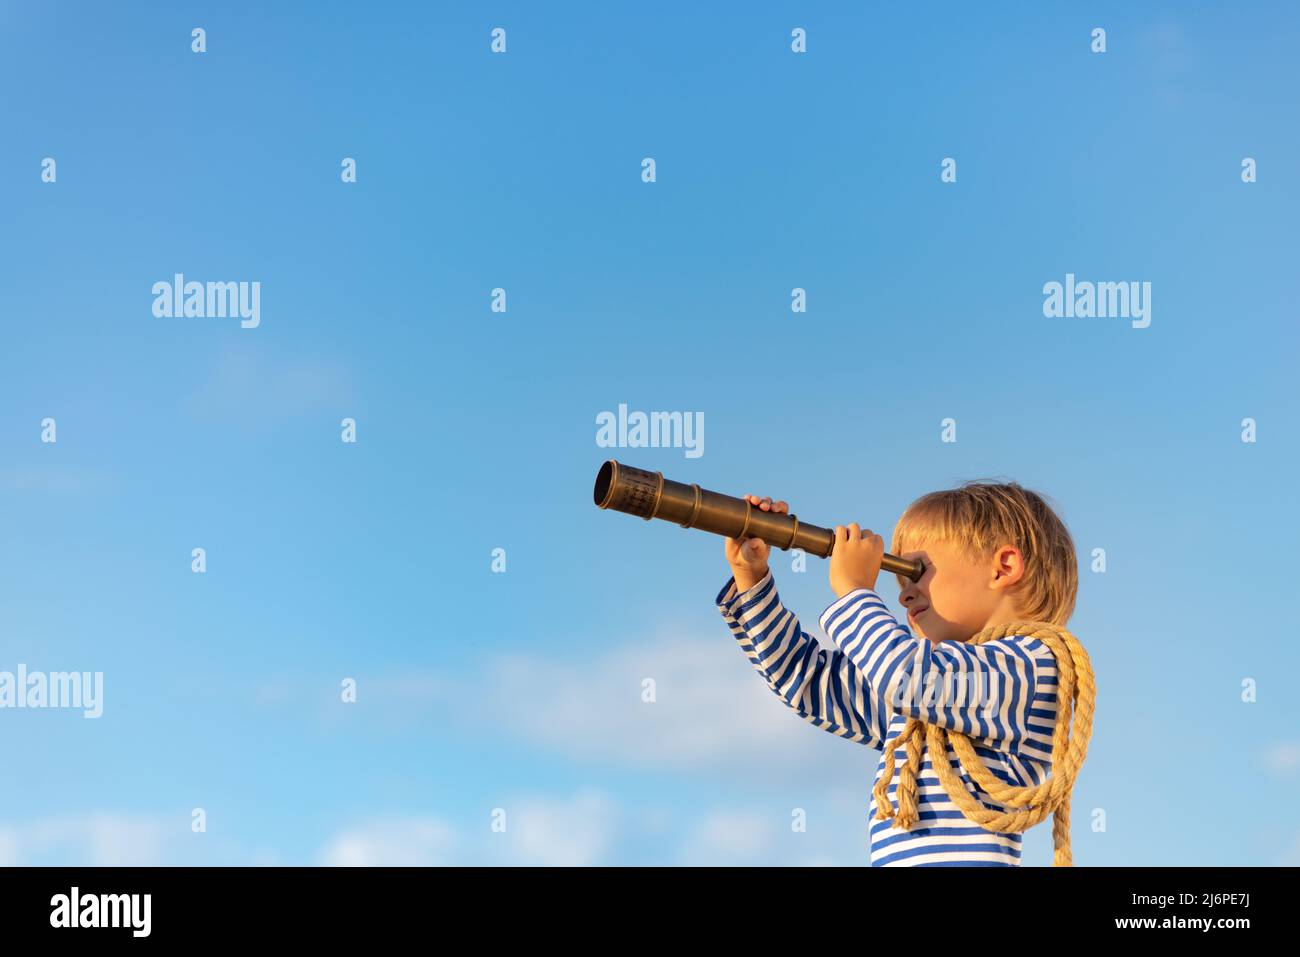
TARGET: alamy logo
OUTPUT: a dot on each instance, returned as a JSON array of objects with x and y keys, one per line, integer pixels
[
  {"x": 102, "y": 910},
  {"x": 948, "y": 690},
  {"x": 637, "y": 430},
  {"x": 213, "y": 300},
  {"x": 57, "y": 689},
  {"x": 1104, "y": 300}
]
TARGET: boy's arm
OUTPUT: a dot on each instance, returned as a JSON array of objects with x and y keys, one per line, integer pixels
[
  {"x": 1001, "y": 692},
  {"x": 822, "y": 686}
]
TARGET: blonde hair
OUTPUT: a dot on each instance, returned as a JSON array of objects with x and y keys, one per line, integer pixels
[{"x": 981, "y": 516}]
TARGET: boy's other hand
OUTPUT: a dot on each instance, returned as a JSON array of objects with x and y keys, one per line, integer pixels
[
  {"x": 855, "y": 560},
  {"x": 748, "y": 559}
]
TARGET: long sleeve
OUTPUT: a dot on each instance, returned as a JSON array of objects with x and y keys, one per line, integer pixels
[
  {"x": 820, "y": 685},
  {"x": 1001, "y": 692}
]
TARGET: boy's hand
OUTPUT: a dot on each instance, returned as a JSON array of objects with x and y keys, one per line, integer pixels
[
  {"x": 855, "y": 560},
  {"x": 748, "y": 559}
]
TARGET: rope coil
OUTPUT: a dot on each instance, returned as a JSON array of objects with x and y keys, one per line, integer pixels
[{"x": 1076, "y": 695}]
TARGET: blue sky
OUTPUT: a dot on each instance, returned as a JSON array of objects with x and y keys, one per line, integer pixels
[{"x": 476, "y": 430}]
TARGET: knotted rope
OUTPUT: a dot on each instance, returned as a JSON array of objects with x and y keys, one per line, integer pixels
[{"x": 1075, "y": 695}]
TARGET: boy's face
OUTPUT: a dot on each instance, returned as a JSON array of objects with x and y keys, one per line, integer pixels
[{"x": 957, "y": 597}]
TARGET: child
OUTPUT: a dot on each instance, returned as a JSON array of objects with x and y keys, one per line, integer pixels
[{"x": 992, "y": 554}]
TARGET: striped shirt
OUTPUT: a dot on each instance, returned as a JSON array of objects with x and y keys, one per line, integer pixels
[{"x": 1000, "y": 693}]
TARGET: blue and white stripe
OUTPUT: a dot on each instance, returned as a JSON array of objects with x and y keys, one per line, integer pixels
[{"x": 880, "y": 676}]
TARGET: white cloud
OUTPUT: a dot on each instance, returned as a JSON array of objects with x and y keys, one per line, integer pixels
[
  {"x": 713, "y": 716},
  {"x": 10, "y": 848},
  {"x": 575, "y": 833},
  {"x": 1292, "y": 857},
  {"x": 96, "y": 839},
  {"x": 729, "y": 837},
  {"x": 541, "y": 831},
  {"x": 589, "y": 828},
  {"x": 712, "y": 712},
  {"x": 755, "y": 838},
  {"x": 706, "y": 708},
  {"x": 112, "y": 839},
  {"x": 409, "y": 842},
  {"x": 1283, "y": 757}
]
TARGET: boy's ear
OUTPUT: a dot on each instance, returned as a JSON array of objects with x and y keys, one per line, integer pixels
[{"x": 1008, "y": 566}]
